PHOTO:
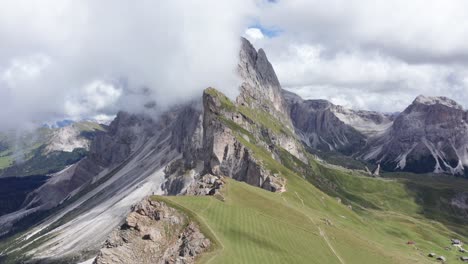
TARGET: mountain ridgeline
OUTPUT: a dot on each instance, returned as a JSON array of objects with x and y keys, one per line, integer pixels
[
  {"x": 429, "y": 136},
  {"x": 228, "y": 166}
]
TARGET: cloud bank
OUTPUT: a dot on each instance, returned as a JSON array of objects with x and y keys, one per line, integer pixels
[
  {"x": 88, "y": 59},
  {"x": 79, "y": 59}
]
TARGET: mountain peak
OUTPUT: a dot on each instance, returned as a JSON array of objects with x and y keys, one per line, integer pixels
[
  {"x": 260, "y": 86},
  {"x": 251, "y": 59},
  {"x": 437, "y": 100}
]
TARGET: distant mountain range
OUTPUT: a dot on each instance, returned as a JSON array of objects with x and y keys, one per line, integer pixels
[{"x": 429, "y": 136}]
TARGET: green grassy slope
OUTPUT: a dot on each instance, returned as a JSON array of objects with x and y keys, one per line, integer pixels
[
  {"x": 5, "y": 160},
  {"x": 304, "y": 225}
]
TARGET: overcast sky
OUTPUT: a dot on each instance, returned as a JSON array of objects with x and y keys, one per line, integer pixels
[
  {"x": 367, "y": 54},
  {"x": 87, "y": 59}
]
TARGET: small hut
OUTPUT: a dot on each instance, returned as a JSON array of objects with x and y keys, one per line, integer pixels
[
  {"x": 441, "y": 258},
  {"x": 464, "y": 259},
  {"x": 432, "y": 255}
]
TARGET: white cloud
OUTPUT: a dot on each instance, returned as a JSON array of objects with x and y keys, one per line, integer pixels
[
  {"x": 24, "y": 69},
  {"x": 431, "y": 29},
  {"x": 165, "y": 51},
  {"x": 254, "y": 34},
  {"x": 367, "y": 54},
  {"x": 95, "y": 97},
  {"x": 363, "y": 80}
]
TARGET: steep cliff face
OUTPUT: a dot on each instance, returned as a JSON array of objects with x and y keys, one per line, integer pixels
[
  {"x": 227, "y": 154},
  {"x": 230, "y": 129},
  {"x": 223, "y": 152},
  {"x": 325, "y": 126},
  {"x": 261, "y": 99},
  {"x": 431, "y": 135},
  {"x": 260, "y": 88}
]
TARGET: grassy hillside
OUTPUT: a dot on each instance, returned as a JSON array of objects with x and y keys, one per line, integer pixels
[{"x": 304, "y": 225}]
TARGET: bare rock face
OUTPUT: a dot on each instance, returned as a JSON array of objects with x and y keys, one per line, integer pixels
[
  {"x": 124, "y": 136},
  {"x": 325, "y": 126},
  {"x": 224, "y": 153},
  {"x": 260, "y": 88},
  {"x": 207, "y": 184},
  {"x": 431, "y": 135},
  {"x": 154, "y": 233},
  {"x": 222, "y": 149},
  {"x": 67, "y": 139}
]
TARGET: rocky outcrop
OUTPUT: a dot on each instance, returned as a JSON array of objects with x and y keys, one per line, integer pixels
[
  {"x": 181, "y": 179},
  {"x": 431, "y": 135},
  {"x": 207, "y": 184},
  {"x": 154, "y": 233}
]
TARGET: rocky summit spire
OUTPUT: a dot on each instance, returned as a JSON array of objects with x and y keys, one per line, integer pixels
[{"x": 260, "y": 88}]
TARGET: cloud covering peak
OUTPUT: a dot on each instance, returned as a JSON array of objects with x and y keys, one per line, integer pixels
[{"x": 64, "y": 58}]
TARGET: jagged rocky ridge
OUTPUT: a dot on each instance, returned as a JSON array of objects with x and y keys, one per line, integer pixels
[{"x": 430, "y": 136}]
